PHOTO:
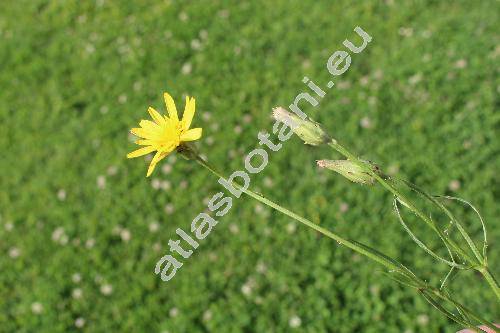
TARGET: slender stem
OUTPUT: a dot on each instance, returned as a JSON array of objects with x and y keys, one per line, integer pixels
[
  {"x": 462, "y": 321},
  {"x": 365, "y": 250},
  {"x": 362, "y": 249},
  {"x": 488, "y": 276},
  {"x": 474, "y": 315},
  {"x": 463, "y": 232},
  {"x": 391, "y": 188},
  {"x": 477, "y": 265}
]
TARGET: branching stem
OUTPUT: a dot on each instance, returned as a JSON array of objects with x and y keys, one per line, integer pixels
[{"x": 391, "y": 264}]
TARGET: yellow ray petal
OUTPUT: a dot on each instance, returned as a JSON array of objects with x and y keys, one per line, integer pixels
[
  {"x": 171, "y": 109},
  {"x": 150, "y": 169},
  {"x": 156, "y": 116},
  {"x": 147, "y": 142},
  {"x": 141, "y": 151},
  {"x": 187, "y": 116},
  {"x": 141, "y": 132},
  {"x": 157, "y": 158},
  {"x": 191, "y": 135},
  {"x": 148, "y": 125},
  {"x": 153, "y": 163}
]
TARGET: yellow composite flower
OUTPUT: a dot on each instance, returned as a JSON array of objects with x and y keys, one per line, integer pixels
[{"x": 165, "y": 133}]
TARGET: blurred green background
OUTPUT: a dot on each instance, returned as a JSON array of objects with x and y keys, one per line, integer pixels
[{"x": 81, "y": 228}]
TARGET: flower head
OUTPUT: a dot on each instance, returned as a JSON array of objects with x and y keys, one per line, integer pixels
[{"x": 165, "y": 133}]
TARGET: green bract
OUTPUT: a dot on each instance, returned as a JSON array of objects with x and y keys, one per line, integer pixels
[{"x": 351, "y": 170}]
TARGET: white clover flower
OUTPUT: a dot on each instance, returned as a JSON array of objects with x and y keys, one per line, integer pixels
[
  {"x": 76, "y": 278},
  {"x": 169, "y": 208},
  {"x": 344, "y": 207},
  {"x": 79, "y": 322},
  {"x": 268, "y": 182},
  {"x": 294, "y": 322},
  {"x": 174, "y": 312},
  {"x": 122, "y": 99},
  {"x": 461, "y": 63},
  {"x": 423, "y": 319},
  {"x": 125, "y": 235},
  {"x": 454, "y": 185},
  {"x": 165, "y": 185},
  {"x": 258, "y": 208},
  {"x": 246, "y": 289},
  {"x": 137, "y": 86},
  {"x": 9, "y": 226},
  {"x": 166, "y": 168},
  {"x": 156, "y": 183},
  {"x": 195, "y": 44},
  {"x": 14, "y": 252},
  {"x": 154, "y": 226},
  {"x": 186, "y": 68},
  {"x": 203, "y": 34},
  {"x": 57, "y": 233},
  {"x": 157, "y": 247},
  {"x": 106, "y": 289},
  {"x": 207, "y": 315},
  {"x": 261, "y": 268},
  {"x": 61, "y": 194},
  {"x": 101, "y": 181},
  {"x": 77, "y": 293},
  {"x": 36, "y": 308},
  {"x": 233, "y": 228},
  {"x": 365, "y": 122},
  {"x": 90, "y": 243},
  {"x": 183, "y": 16}
]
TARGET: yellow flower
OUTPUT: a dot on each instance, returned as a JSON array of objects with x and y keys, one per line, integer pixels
[{"x": 166, "y": 133}]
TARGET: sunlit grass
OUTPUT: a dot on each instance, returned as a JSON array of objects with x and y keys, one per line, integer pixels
[{"x": 81, "y": 230}]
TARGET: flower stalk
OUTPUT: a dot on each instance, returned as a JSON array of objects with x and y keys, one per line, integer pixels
[
  {"x": 406, "y": 276},
  {"x": 363, "y": 172},
  {"x": 165, "y": 134},
  {"x": 476, "y": 261}
]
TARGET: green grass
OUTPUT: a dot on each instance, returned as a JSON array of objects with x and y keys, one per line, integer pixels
[{"x": 77, "y": 75}]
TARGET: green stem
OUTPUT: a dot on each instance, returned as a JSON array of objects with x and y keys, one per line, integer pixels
[
  {"x": 474, "y": 315},
  {"x": 440, "y": 308},
  {"x": 365, "y": 250},
  {"x": 391, "y": 188},
  {"x": 477, "y": 265},
  {"x": 362, "y": 249},
  {"x": 488, "y": 276}
]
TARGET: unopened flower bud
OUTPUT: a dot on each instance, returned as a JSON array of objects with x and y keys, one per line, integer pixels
[
  {"x": 351, "y": 170},
  {"x": 308, "y": 130}
]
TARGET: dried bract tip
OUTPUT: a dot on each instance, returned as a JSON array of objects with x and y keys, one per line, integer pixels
[
  {"x": 308, "y": 130},
  {"x": 188, "y": 151}
]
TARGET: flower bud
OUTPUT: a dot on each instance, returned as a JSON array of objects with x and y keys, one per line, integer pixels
[
  {"x": 351, "y": 170},
  {"x": 308, "y": 130}
]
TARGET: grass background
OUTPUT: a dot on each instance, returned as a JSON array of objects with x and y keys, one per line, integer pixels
[{"x": 81, "y": 228}]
